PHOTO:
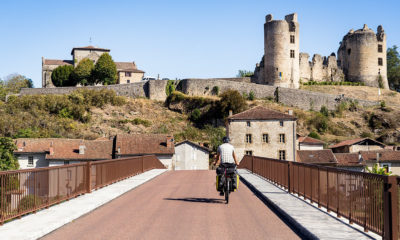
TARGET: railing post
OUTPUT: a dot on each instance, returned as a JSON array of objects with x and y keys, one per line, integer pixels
[
  {"x": 289, "y": 171},
  {"x": 142, "y": 163},
  {"x": 252, "y": 164},
  {"x": 89, "y": 176},
  {"x": 390, "y": 208}
]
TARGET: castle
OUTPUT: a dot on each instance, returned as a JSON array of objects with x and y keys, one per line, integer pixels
[
  {"x": 127, "y": 71},
  {"x": 361, "y": 57}
]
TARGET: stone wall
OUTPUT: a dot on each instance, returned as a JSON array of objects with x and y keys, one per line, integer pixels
[{"x": 320, "y": 69}]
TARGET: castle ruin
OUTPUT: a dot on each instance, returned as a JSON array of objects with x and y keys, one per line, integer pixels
[{"x": 361, "y": 57}]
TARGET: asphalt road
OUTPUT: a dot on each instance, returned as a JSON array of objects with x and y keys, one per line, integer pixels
[{"x": 179, "y": 205}]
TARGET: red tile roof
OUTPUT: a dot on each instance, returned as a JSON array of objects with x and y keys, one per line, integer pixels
[
  {"x": 354, "y": 141},
  {"x": 57, "y": 62},
  {"x": 138, "y": 144},
  {"x": 384, "y": 155},
  {"x": 310, "y": 140},
  {"x": 261, "y": 113},
  {"x": 348, "y": 159},
  {"x": 193, "y": 144},
  {"x": 127, "y": 67},
  {"x": 316, "y": 156},
  {"x": 90, "y": 48},
  {"x": 66, "y": 149}
]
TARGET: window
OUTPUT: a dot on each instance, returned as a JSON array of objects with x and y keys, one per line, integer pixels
[
  {"x": 291, "y": 53},
  {"x": 248, "y": 123},
  {"x": 281, "y": 123},
  {"x": 291, "y": 38},
  {"x": 265, "y": 138},
  {"x": 66, "y": 162},
  {"x": 128, "y": 81},
  {"x": 348, "y": 51},
  {"x": 282, "y": 138},
  {"x": 30, "y": 161},
  {"x": 282, "y": 155},
  {"x": 249, "y": 153},
  {"x": 248, "y": 138},
  {"x": 380, "y": 61},
  {"x": 380, "y": 49},
  {"x": 127, "y": 74},
  {"x": 386, "y": 166}
]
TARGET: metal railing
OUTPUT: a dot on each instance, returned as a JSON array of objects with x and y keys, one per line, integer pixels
[
  {"x": 369, "y": 200},
  {"x": 26, "y": 191}
]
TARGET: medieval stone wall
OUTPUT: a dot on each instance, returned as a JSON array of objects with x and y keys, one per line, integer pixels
[{"x": 320, "y": 69}]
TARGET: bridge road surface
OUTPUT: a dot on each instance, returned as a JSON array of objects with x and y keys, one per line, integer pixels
[{"x": 179, "y": 205}]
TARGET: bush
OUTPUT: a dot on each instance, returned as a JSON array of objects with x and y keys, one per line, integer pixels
[
  {"x": 383, "y": 104},
  {"x": 366, "y": 135},
  {"x": 314, "y": 135},
  {"x": 29, "y": 202},
  {"x": 143, "y": 122},
  {"x": 105, "y": 70},
  {"x": 195, "y": 115},
  {"x": 232, "y": 100},
  {"x": 380, "y": 81},
  {"x": 215, "y": 90},
  {"x": 170, "y": 87},
  {"x": 320, "y": 122},
  {"x": 324, "y": 111},
  {"x": 251, "y": 96},
  {"x": 61, "y": 76}
]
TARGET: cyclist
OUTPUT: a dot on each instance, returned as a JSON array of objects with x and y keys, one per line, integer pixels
[{"x": 227, "y": 157}]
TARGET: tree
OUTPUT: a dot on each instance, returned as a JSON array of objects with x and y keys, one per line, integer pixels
[
  {"x": 83, "y": 72},
  {"x": 393, "y": 68},
  {"x": 7, "y": 158},
  {"x": 105, "y": 71},
  {"x": 15, "y": 82},
  {"x": 244, "y": 73},
  {"x": 232, "y": 100},
  {"x": 61, "y": 76}
]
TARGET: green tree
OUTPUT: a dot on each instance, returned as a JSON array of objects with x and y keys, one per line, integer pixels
[
  {"x": 61, "y": 76},
  {"x": 83, "y": 72},
  {"x": 105, "y": 71},
  {"x": 7, "y": 158},
  {"x": 15, "y": 82},
  {"x": 393, "y": 68},
  {"x": 378, "y": 170},
  {"x": 244, "y": 73},
  {"x": 170, "y": 87},
  {"x": 232, "y": 100}
]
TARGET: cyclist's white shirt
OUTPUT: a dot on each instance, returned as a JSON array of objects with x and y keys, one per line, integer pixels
[{"x": 226, "y": 152}]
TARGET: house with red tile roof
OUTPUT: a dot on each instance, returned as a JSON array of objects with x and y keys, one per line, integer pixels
[
  {"x": 161, "y": 145},
  {"x": 127, "y": 71},
  {"x": 191, "y": 156},
  {"x": 263, "y": 132},
  {"x": 356, "y": 145},
  {"x": 350, "y": 161},
  {"x": 319, "y": 157},
  {"x": 309, "y": 143},
  {"x": 384, "y": 158},
  {"x": 45, "y": 152}
]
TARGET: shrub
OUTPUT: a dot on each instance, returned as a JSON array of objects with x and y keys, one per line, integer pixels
[
  {"x": 251, "y": 96},
  {"x": 232, "y": 100},
  {"x": 195, "y": 115},
  {"x": 380, "y": 81},
  {"x": 324, "y": 111},
  {"x": 105, "y": 70},
  {"x": 366, "y": 135},
  {"x": 383, "y": 104},
  {"x": 170, "y": 87},
  {"x": 320, "y": 122},
  {"x": 61, "y": 76},
  {"x": 215, "y": 90},
  {"x": 29, "y": 202},
  {"x": 143, "y": 122},
  {"x": 314, "y": 135}
]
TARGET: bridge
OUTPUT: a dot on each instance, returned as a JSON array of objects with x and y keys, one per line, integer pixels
[{"x": 135, "y": 198}]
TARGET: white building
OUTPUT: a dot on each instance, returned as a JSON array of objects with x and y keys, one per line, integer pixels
[{"x": 191, "y": 156}]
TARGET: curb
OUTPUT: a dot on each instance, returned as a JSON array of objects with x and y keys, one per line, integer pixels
[{"x": 296, "y": 226}]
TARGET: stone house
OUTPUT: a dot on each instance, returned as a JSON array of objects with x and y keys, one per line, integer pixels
[
  {"x": 384, "y": 158},
  {"x": 357, "y": 145},
  {"x": 191, "y": 156},
  {"x": 48, "y": 152},
  {"x": 263, "y": 132},
  {"x": 319, "y": 157},
  {"x": 161, "y": 145},
  {"x": 309, "y": 143},
  {"x": 127, "y": 71}
]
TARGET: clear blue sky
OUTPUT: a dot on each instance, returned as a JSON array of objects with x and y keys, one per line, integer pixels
[{"x": 176, "y": 39}]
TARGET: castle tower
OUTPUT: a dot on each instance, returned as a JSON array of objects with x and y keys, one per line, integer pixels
[
  {"x": 281, "y": 49},
  {"x": 362, "y": 56}
]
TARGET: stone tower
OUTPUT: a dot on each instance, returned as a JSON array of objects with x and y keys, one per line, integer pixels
[
  {"x": 281, "y": 51},
  {"x": 362, "y": 56}
]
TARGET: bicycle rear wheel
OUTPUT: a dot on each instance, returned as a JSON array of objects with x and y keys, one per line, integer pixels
[{"x": 227, "y": 184}]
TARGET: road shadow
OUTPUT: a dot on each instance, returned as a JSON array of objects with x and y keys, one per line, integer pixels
[{"x": 198, "y": 200}]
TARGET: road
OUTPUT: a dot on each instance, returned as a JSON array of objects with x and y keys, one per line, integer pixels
[{"x": 179, "y": 205}]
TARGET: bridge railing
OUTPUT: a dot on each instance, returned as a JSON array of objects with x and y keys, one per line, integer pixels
[
  {"x": 369, "y": 200},
  {"x": 29, "y": 190}
]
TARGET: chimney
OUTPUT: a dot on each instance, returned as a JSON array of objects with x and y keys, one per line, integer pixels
[
  {"x": 360, "y": 159},
  {"x": 290, "y": 112},
  {"x": 230, "y": 113},
  {"x": 82, "y": 149},
  {"x": 170, "y": 141},
  {"x": 377, "y": 156},
  {"x": 51, "y": 151}
]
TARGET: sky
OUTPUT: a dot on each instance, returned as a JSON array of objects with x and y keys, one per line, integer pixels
[{"x": 176, "y": 39}]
